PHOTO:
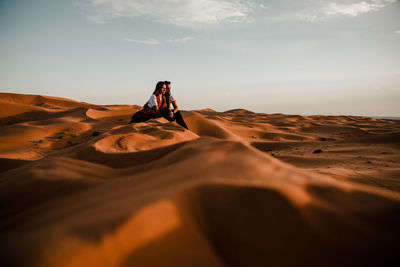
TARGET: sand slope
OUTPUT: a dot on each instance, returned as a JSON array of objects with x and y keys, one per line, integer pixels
[{"x": 80, "y": 187}]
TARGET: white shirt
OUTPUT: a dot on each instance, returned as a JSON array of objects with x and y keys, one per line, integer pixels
[
  {"x": 171, "y": 99},
  {"x": 152, "y": 101}
]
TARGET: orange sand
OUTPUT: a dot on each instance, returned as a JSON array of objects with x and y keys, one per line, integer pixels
[{"x": 80, "y": 187}]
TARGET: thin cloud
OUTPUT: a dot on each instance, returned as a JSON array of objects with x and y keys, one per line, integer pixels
[
  {"x": 180, "y": 40},
  {"x": 147, "y": 42},
  {"x": 347, "y": 10},
  {"x": 156, "y": 42},
  {"x": 186, "y": 13},
  {"x": 357, "y": 9}
]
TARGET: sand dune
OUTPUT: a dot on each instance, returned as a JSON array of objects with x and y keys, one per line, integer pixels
[{"x": 81, "y": 187}]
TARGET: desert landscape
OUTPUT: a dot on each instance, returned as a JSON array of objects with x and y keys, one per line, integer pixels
[{"x": 81, "y": 187}]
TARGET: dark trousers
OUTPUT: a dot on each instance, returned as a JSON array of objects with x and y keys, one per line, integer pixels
[
  {"x": 142, "y": 116},
  {"x": 165, "y": 113}
]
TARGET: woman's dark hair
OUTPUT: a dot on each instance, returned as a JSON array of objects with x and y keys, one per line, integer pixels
[
  {"x": 167, "y": 82},
  {"x": 158, "y": 88}
]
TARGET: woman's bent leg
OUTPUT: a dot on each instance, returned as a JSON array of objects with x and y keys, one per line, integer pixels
[{"x": 142, "y": 116}]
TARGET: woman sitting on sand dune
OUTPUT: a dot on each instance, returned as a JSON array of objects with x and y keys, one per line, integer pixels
[
  {"x": 157, "y": 100},
  {"x": 157, "y": 107}
]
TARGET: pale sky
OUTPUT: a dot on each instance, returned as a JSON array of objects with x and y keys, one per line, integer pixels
[{"x": 278, "y": 56}]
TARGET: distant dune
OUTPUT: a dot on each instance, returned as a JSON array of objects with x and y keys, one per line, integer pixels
[
  {"x": 81, "y": 187},
  {"x": 387, "y": 118}
]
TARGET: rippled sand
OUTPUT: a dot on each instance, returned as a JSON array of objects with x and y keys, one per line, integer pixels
[{"x": 81, "y": 187}]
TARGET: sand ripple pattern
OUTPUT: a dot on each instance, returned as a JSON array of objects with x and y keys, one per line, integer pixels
[{"x": 80, "y": 187}]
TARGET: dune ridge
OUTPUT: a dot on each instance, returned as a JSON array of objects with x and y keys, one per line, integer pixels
[{"x": 80, "y": 187}]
